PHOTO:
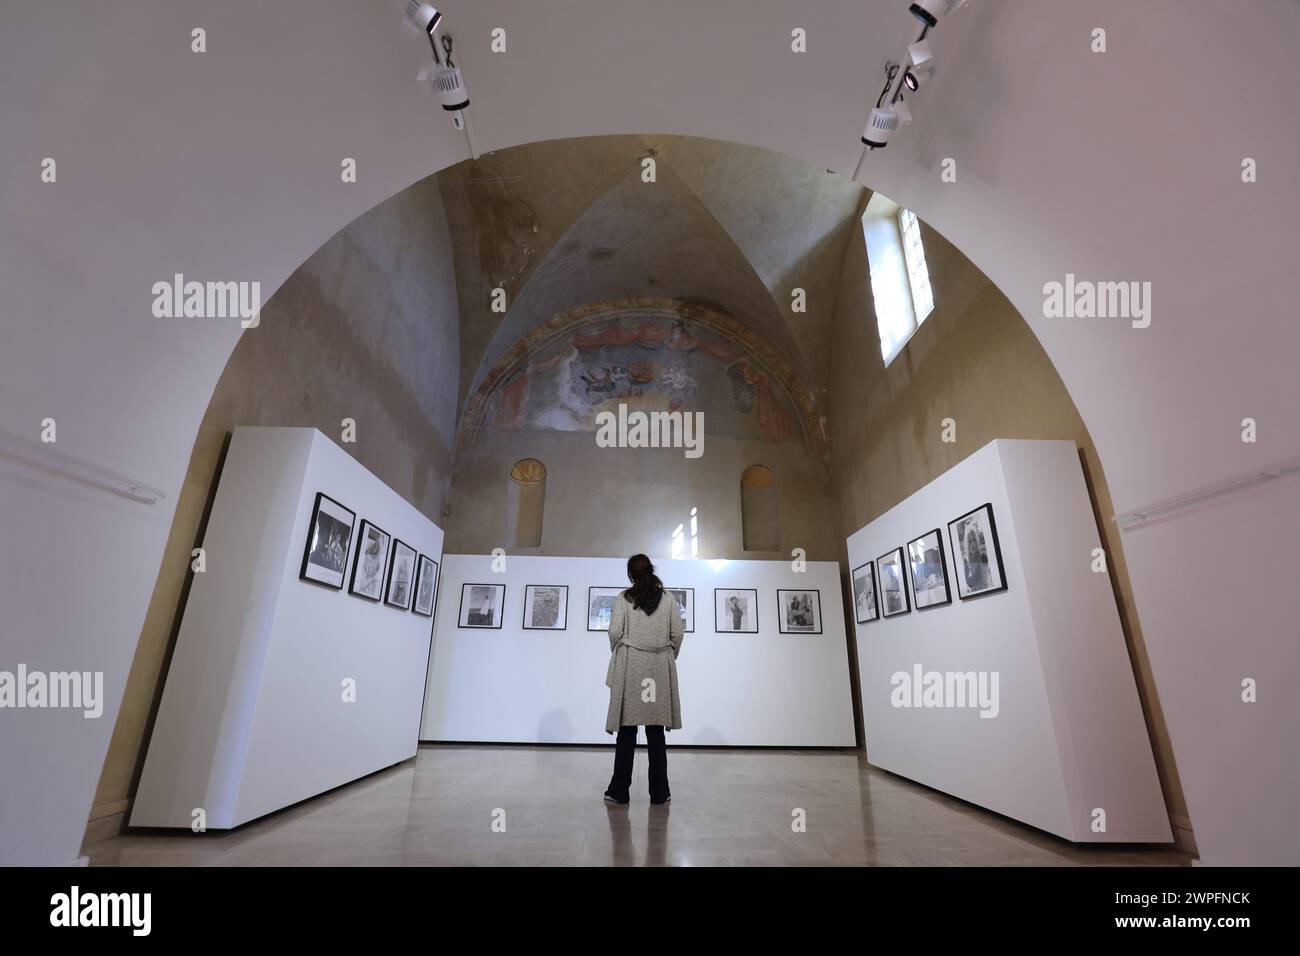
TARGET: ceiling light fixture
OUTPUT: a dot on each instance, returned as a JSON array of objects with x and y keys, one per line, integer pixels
[
  {"x": 882, "y": 125},
  {"x": 884, "y": 120},
  {"x": 448, "y": 82},
  {"x": 915, "y": 79},
  {"x": 915, "y": 70},
  {"x": 920, "y": 64},
  {"x": 930, "y": 12},
  {"x": 443, "y": 79},
  {"x": 421, "y": 20}
]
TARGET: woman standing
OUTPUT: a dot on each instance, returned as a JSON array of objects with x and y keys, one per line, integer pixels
[{"x": 645, "y": 637}]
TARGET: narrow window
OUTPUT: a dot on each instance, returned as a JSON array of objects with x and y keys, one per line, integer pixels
[
  {"x": 900, "y": 279},
  {"x": 525, "y": 502},
  {"x": 917, "y": 273},
  {"x": 759, "y": 516}
]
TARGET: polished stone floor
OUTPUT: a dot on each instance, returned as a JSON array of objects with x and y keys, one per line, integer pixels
[{"x": 729, "y": 808}]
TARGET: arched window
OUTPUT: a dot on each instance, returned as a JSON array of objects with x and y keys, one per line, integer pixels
[
  {"x": 918, "y": 273},
  {"x": 525, "y": 502},
  {"x": 760, "y": 523},
  {"x": 900, "y": 278}
]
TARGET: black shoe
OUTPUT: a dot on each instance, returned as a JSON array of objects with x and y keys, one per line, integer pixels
[
  {"x": 610, "y": 798},
  {"x": 660, "y": 803}
]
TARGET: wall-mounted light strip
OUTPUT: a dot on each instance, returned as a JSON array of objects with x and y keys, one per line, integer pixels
[
  {"x": 1140, "y": 516},
  {"x": 43, "y": 458}
]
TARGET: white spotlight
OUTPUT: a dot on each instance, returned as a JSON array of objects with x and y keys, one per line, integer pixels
[
  {"x": 913, "y": 79},
  {"x": 448, "y": 83},
  {"x": 421, "y": 18},
  {"x": 929, "y": 11},
  {"x": 882, "y": 125}
]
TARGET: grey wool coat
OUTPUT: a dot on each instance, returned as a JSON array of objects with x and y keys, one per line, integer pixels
[{"x": 644, "y": 648}]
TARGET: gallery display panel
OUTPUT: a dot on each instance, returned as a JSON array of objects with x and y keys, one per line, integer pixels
[
  {"x": 1018, "y": 697},
  {"x": 283, "y": 683},
  {"x": 772, "y": 670}
]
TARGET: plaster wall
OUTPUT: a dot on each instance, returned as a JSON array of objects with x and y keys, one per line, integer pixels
[
  {"x": 366, "y": 329},
  {"x": 615, "y": 502},
  {"x": 976, "y": 361}
]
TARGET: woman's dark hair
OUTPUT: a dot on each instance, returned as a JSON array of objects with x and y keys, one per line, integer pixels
[{"x": 647, "y": 590}]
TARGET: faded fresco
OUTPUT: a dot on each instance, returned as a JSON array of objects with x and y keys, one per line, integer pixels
[{"x": 649, "y": 364}]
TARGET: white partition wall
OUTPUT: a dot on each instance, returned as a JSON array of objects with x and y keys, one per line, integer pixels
[
  {"x": 254, "y": 715},
  {"x": 1067, "y": 749},
  {"x": 530, "y": 686}
]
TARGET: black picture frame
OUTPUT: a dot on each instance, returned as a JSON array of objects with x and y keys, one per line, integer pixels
[
  {"x": 943, "y": 568},
  {"x": 875, "y": 592},
  {"x": 311, "y": 537},
  {"x": 420, "y": 564},
  {"x": 564, "y": 625},
  {"x": 781, "y": 623},
  {"x": 462, "y": 618},
  {"x": 690, "y": 617},
  {"x": 958, "y": 572},
  {"x": 392, "y": 574},
  {"x": 356, "y": 561},
  {"x": 901, "y": 555},
  {"x": 590, "y": 590},
  {"x": 754, "y": 605}
]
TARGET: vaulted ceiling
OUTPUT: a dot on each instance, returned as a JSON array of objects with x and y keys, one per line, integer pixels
[{"x": 563, "y": 224}]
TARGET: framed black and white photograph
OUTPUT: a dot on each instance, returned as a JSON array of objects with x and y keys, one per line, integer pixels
[
  {"x": 600, "y": 605},
  {"x": 976, "y": 553},
  {"x": 893, "y": 584},
  {"x": 329, "y": 538},
  {"x": 371, "y": 562},
  {"x": 426, "y": 586},
  {"x": 685, "y": 598},
  {"x": 401, "y": 576},
  {"x": 799, "y": 610},
  {"x": 929, "y": 570},
  {"x": 735, "y": 610},
  {"x": 865, "y": 608},
  {"x": 481, "y": 605},
  {"x": 546, "y": 607}
]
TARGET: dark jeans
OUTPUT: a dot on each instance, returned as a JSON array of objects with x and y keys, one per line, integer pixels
[{"x": 625, "y": 748}]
